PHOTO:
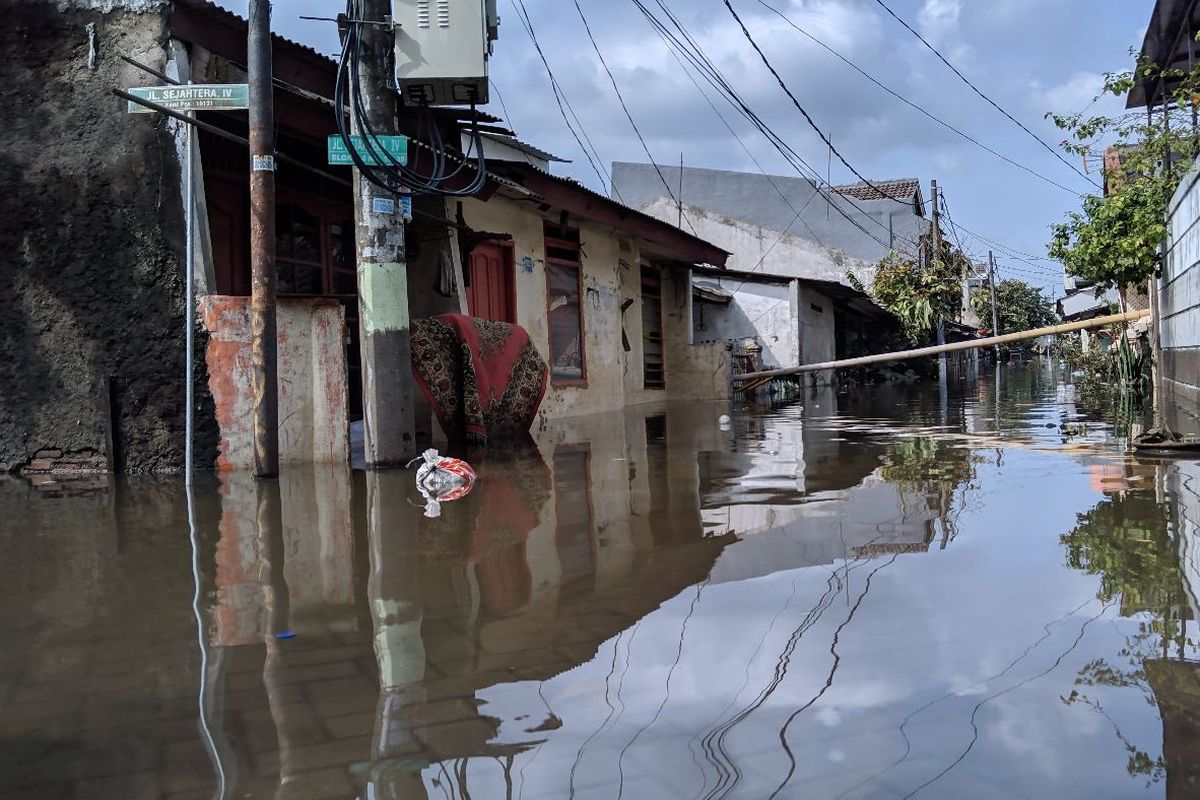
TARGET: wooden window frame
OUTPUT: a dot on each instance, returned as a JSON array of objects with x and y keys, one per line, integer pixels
[
  {"x": 653, "y": 276},
  {"x": 577, "y": 265}
]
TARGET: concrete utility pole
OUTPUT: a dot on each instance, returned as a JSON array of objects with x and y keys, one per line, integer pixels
[
  {"x": 937, "y": 257},
  {"x": 388, "y": 421},
  {"x": 263, "y": 341},
  {"x": 992, "y": 287}
]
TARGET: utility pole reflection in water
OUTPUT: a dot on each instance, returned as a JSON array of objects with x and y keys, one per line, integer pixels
[
  {"x": 268, "y": 523},
  {"x": 393, "y": 590}
]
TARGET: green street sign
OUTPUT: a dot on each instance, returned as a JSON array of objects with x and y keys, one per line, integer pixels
[
  {"x": 192, "y": 97},
  {"x": 397, "y": 146}
]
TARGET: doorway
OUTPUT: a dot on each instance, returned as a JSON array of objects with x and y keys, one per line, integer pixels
[{"x": 490, "y": 291}]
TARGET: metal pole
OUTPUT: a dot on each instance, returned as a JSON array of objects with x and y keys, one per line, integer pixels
[
  {"x": 937, "y": 259},
  {"x": 189, "y": 302},
  {"x": 903, "y": 355},
  {"x": 1157, "y": 386},
  {"x": 992, "y": 286},
  {"x": 389, "y": 430},
  {"x": 263, "y": 340},
  {"x": 679, "y": 201}
]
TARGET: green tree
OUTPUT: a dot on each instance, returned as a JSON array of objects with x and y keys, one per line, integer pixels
[
  {"x": 1113, "y": 240},
  {"x": 1019, "y": 307},
  {"x": 920, "y": 289}
]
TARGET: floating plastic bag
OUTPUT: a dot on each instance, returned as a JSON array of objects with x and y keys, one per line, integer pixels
[{"x": 441, "y": 479}]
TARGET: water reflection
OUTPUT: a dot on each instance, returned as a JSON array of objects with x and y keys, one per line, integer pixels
[{"x": 871, "y": 593}]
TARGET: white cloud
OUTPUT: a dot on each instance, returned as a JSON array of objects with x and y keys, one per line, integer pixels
[
  {"x": 938, "y": 18},
  {"x": 1072, "y": 95}
]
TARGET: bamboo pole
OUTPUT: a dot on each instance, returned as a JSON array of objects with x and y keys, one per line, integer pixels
[{"x": 902, "y": 355}]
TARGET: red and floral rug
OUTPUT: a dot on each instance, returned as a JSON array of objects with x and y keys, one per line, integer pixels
[{"x": 483, "y": 378}]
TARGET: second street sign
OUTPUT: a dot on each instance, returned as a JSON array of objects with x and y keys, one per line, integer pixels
[
  {"x": 394, "y": 146},
  {"x": 192, "y": 97}
]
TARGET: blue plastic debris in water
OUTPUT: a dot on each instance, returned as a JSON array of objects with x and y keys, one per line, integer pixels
[{"x": 285, "y": 635}]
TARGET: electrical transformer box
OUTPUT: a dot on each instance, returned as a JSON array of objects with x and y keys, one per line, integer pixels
[{"x": 442, "y": 50}]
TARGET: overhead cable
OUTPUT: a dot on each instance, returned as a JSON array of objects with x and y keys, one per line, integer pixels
[
  {"x": 379, "y": 166},
  {"x": 808, "y": 118},
  {"x": 560, "y": 97},
  {"x": 911, "y": 104},
  {"x": 629, "y": 116},
  {"x": 979, "y": 92},
  {"x": 694, "y": 54}
]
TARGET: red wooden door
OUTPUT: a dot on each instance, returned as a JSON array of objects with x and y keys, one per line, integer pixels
[{"x": 490, "y": 293}]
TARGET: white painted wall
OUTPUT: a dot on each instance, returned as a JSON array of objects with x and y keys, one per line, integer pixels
[
  {"x": 764, "y": 311},
  {"x": 817, "y": 340},
  {"x": 755, "y": 248},
  {"x": 1179, "y": 286}
]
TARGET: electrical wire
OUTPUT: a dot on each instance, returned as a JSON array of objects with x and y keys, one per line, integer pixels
[
  {"x": 813, "y": 176},
  {"x": 694, "y": 54},
  {"x": 561, "y": 100},
  {"x": 388, "y": 172},
  {"x": 807, "y": 117},
  {"x": 629, "y": 116},
  {"x": 910, "y": 103},
  {"x": 979, "y": 92}
]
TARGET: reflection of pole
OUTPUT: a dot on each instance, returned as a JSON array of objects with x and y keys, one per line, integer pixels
[
  {"x": 268, "y": 521},
  {"x": 396, "y": 614},
  {"x": 997, "y": 394},
  {"x": 209, "y": 744}
]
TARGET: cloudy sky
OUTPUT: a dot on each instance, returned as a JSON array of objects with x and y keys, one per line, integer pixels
[{"x": 1030, "y": 56}]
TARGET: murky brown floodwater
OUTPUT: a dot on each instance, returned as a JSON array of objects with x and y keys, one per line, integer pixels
[{"x": 869, "y": 596}]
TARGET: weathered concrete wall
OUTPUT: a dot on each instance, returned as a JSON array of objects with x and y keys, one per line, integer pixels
[
  {"x": 762, "y": 310},
  {"x": 815, "y": 313},
  {"x": 91, "y": 222},
  {"x": 1179, "y": 290},
  {"x": 610, "y": 276},
  {"x": 755, "y": 198},
  {"x": 756, "y": 248},
  {"x": 313, "y": 422}
]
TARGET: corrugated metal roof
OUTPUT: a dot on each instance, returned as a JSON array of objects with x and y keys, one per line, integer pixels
[{"x": 891, "y": 189}]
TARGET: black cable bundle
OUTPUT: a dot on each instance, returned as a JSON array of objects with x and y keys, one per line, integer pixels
[{"x": 390, "y": 174}]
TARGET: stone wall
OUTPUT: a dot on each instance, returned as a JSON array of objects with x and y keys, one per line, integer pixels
[{"x": 91, "y": 220}]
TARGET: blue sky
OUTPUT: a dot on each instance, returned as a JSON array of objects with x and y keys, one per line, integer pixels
[{"x": 1030, "y": 56}]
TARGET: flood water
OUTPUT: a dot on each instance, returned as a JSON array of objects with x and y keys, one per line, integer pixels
[{"x": 865, "y": 594}]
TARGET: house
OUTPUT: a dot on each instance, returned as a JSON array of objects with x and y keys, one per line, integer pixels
[
  {"x": 93, "y": 360},
  {"x": 1170, "y": 43},
  {"x": 829, "y": 232},
  {"x": 779, "y": 321},
  {"x": 798, "y": 249}
]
